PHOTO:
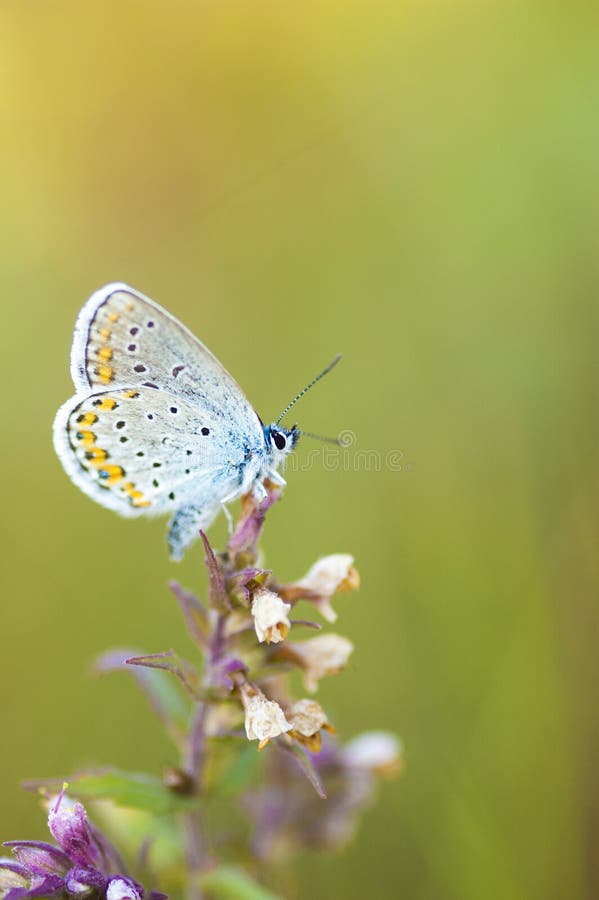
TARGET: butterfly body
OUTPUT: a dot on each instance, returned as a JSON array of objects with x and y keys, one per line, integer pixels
[{"x": 157, "y": 425}]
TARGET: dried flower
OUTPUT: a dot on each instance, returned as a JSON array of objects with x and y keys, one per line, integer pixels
[
  {"x": 328, "y": 576},
  {"x": 313, "y": 789},
  {"x": 264, "y": 719},
  {"x": 376, "y": 751},
  {"x": 270, "y": 617},
  {"x": 308, "y": 718},
  {"x": 324, "y": 655},
  {"x": 288, "y": 816}
]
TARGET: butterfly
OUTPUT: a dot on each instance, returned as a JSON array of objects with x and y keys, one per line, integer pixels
[{"x": 157, "y": 425}]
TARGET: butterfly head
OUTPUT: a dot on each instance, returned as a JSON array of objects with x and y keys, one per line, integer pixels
[{"x": 280, "y": 441}]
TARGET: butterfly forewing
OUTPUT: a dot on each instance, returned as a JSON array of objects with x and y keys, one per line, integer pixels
[{"x": 123, "y": 339}]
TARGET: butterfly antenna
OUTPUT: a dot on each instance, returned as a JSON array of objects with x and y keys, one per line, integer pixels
[
  {"x": 324, "y": 372},
  {"x": 337, "y": 442}
]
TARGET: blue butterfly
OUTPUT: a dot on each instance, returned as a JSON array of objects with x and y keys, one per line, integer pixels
[{"x": 157, "y": 424}]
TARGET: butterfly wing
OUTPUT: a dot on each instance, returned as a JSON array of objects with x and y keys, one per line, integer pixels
[
  {"x": 158, "y": 425},
  {"x": 145, "y": 451},
  {"x": 123, "y": 339}
]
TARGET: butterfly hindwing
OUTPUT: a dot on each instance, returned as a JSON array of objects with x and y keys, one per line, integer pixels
[{"x": 146, "y": 451}]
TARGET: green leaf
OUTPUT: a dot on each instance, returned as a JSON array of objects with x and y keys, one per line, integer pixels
[
  {"x": 234, "y": 884},
  {"x": 239, "y": 774},
  {"x": 130, "y": 789},
  {"x": 195, "y": 615}
]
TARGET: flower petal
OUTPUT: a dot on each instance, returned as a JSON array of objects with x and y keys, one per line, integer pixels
[
  {"x": 323, "y": 655},
  {"x": 270, "y": 617},
  {"x": 83, "y": 881},
  {"x": 69, "y": 825},
  {"x": 40, "y": 858},
  {"x": 264, "y": 719},
  {"x": 120, "y": 887}
]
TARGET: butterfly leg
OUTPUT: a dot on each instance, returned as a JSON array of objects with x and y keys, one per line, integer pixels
[
  {"x": 223, "y": 504},
  {"x": 276, "y": 478},
  {"x": 259, "y": 491},
  {"x": 228, "y": 517}
]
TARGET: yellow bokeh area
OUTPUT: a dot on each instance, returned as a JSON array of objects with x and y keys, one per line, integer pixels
[{"x": 414, "y": 184}]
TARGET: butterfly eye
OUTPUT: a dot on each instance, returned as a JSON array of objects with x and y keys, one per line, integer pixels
[{"x": 279, "y": 439}]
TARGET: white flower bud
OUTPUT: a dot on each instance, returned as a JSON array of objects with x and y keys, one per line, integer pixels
[
  {"x": 270, "y": 617},
  {"x": 328, "y": 576},
  {"x": 264, "y": 719},
  {"x": 324, "y": 655},
  {"x": 120, "y": 888},
  {"x": 307, "y": 718},
  {"x": 375, "y": 751}
]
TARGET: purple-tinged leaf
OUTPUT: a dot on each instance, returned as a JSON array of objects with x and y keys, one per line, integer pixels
[
  {"x": 305, "y": 764},
  {"x": 111, "y": 858},
  {"x": 12, "y": 875},
  {"x": 195, "y": 615},
  {"x": 307, "y": 623},
  {"x": 130, "y": 789},
  {"x": 169, "y": 661},
  {"x": 40, "y": 887},
  {"x": 216, "y": 583},
  {"x": 39, "y": 857}
]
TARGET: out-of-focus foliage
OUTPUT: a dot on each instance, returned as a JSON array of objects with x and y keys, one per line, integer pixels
[{"x": 415, "y": 184}]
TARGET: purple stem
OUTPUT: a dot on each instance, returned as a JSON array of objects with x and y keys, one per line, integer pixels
[
  {"x": 195, "y": 852},
  {"x": 197, "y": 856},
  {"x": 217, "y": 649},
  {"x": 197, "y": 744}
]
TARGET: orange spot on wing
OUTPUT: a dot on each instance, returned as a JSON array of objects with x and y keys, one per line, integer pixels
[
  {"x": 113, "y": 317},
  {"x": 87, "y": 438},
  {"x": 96, "y": 455},
  {"x": 105, "y": 333},
  {"x": 105, "y": 374},
  {"x": 132, "y": 394},
  {"x": 135, "y": 496},
  {"x": 87, "y": 418},
  {"x": 107, "y": 403},
  {"x": 105, "y": 353},
  {"x": 111, "y": 474}
]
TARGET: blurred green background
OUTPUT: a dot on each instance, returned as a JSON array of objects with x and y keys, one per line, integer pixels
[{"x": 416, "y": 184}]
